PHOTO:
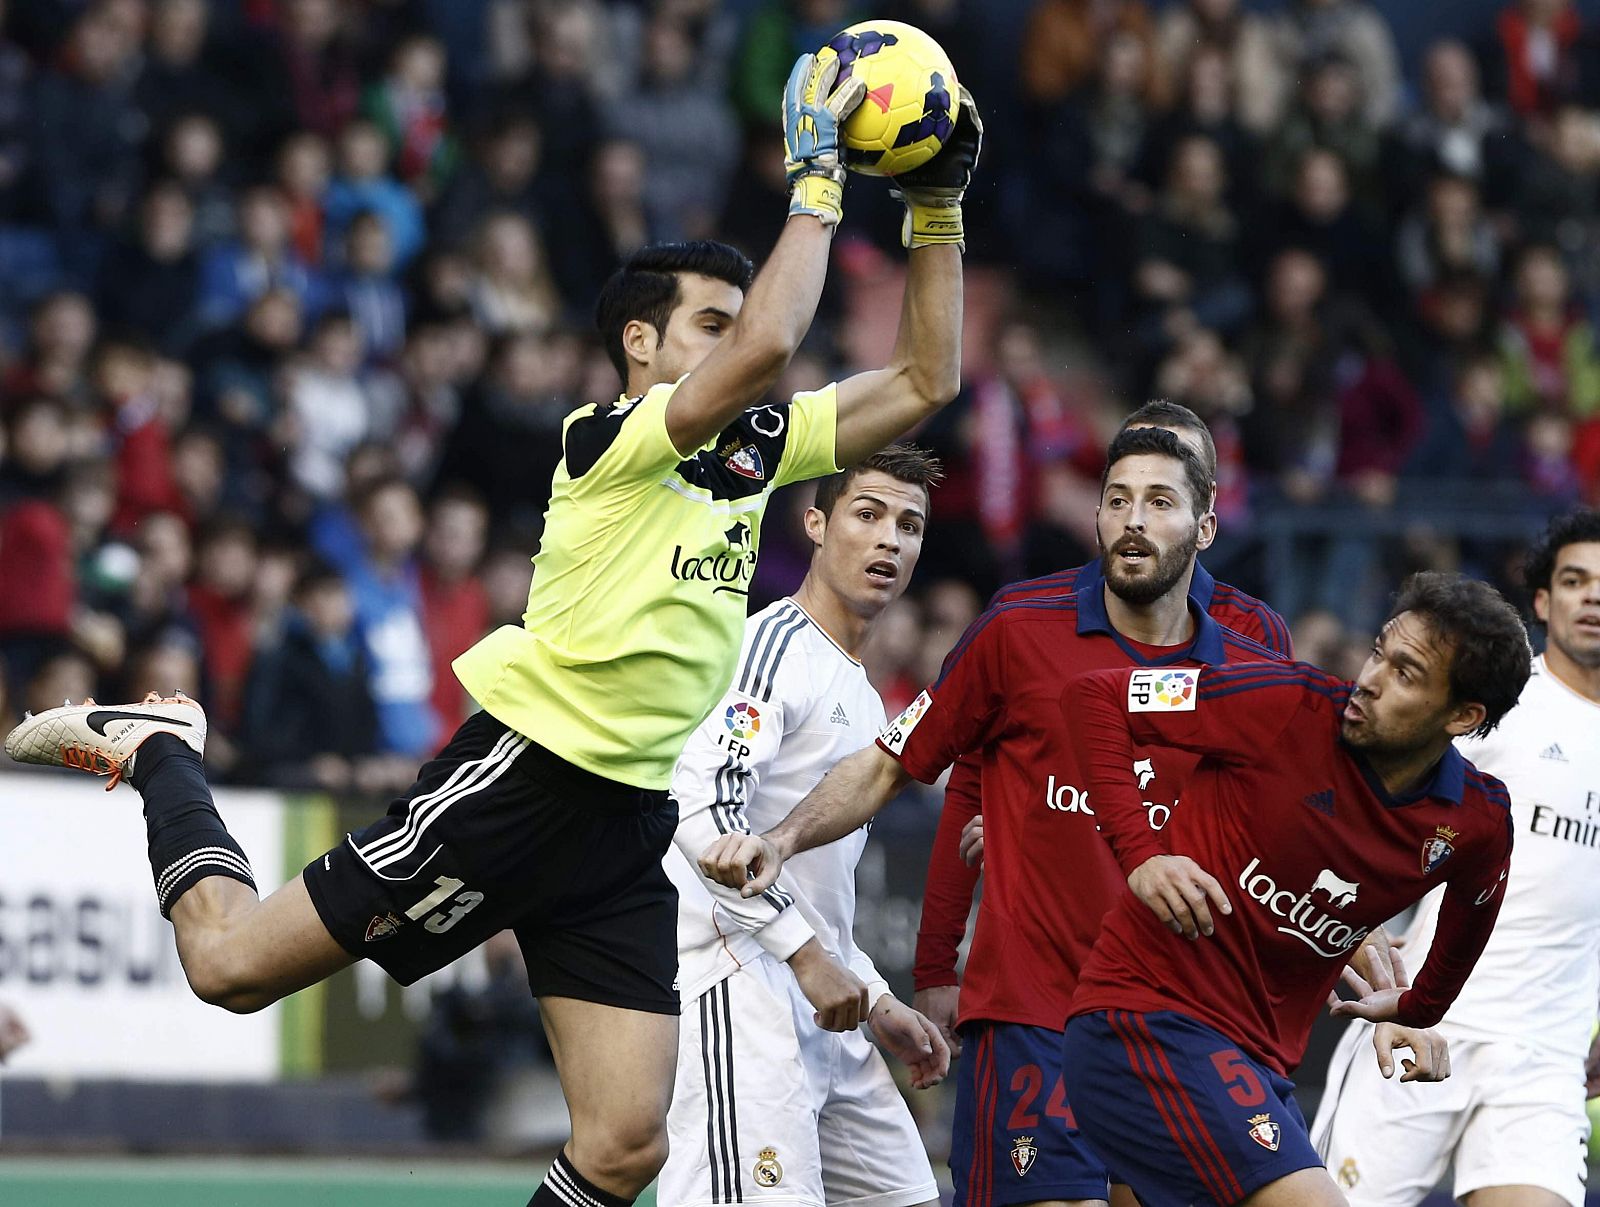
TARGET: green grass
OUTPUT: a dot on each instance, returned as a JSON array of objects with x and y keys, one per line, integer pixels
[{"x": 167, "y": 1182}]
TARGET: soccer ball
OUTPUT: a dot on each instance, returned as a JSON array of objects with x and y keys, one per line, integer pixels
[{"x": 912, "y": 96}]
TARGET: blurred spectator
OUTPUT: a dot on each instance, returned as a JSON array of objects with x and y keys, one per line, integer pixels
[
  {"x": 38, "y": 583},
  {"x": 512, "y": 289},
  {"x": 367, "y": 289},
  {"x": 1321, "y": 217},
  {"x": 687, "y": 134},
  {"x": 150, "y": 282},
  {"x": 318, "y": 64},
  {"x": 1472, "y": 438},
  {"x": 156, "y": 600},
  {"x": 556, "y": 87},
  {"x": 305, "y": 168},
  {"x": 1201, "y": 374},
  {"x": 180, "y": 73},
  {"x": 362, "y": 183},
  {"x": 66, "y": 676},
  {"x": 507, "y": 573},
  {"x": 1242, "y": 40},
  {"x": 385, "y": 584},
  {"x": 1186, "y": 270},
  {"x": 1454, "y": 323},
  {"x": 192, "y": 154},
  {"x": 87, "y": 134},
  {"x": 16, "y": 82},
  {"x": 1556, "y": 198},
  {"x": 603, "y": 222},
  {"x": 234, "y": 274},
  {"x": 775, "y": 33},
  {"x": 1454, "y": 130},
  {"x": 1450, "y": 234},
  {"x": 455, "y": 605},
  {"x": 505, "y": 175},
  {"x": 1206, "y": 109},
  {"x": 55, "y": 363},
  {"x": 309, "y": 715},
  {"x": 1063, "y": 41},
  {"x": 219, "y": 600},
  {"x": 409, "y": 106},
  {"x": 1534, "y": 55},
  {"x": 170, "y": 664},
  {"x": 129, "y": 391},
  {"x": 1308, "y": 30},
  {"x": 509, "y": 439},
  {"x": 329, "y": 411},
  {"x": 429, "y": 406},
  {"x": 1547, "y": 347},
  {"x": 1328, "y": 115}
]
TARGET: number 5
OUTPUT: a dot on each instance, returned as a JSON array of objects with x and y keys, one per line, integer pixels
[{"x": 1243, "y": 1086}]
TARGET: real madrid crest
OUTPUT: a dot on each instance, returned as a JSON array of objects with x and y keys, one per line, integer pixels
[
  {"x": 1265, "y": 1132},
  {"x": 767, "y": 1171},
  {"x": 1437, "y": 849},
  {"x": 1349, "y": 1174},
  {"x": 1023, "y": 1154}
]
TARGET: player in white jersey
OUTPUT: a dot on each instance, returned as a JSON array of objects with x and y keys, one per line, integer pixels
[
  {"x": 780, "y": 1098},
  {"x": 1511, "y": 1118}
]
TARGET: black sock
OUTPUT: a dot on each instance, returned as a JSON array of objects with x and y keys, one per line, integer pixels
[
  {"x": 564, "y": 1186},
  {"x": 188, "y": 841}
]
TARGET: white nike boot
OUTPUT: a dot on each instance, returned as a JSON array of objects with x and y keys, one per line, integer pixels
[{"x": 104, "y": 738}]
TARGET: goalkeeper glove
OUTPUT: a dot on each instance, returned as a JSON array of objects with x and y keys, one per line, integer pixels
[
  {"x": 933, "y": 192},
  {"x": 812, "y": 111}
]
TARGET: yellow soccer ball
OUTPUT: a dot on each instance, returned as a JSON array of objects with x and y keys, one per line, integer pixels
[{"x": 912, "y": 96}]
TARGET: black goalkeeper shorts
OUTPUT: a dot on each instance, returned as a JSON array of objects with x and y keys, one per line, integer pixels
[{"x": 500, "y": 833}]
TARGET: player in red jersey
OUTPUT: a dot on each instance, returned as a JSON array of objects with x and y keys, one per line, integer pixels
[
  {"x": 1049, "y": 878},
  {"x": 1323, "y": 808},
  {"x": 952, "y": 880}
]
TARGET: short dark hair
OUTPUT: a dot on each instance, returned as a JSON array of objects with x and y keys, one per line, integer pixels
[
  {"x": 1158, "y": 441},
  {"x": 903, "y": 462},
  {"x": 1161, "y": 412},
  {"x": 1574, "y": 528},
  {"x": 1490, "y": 658},
  {"x": 647, "y": 288}
]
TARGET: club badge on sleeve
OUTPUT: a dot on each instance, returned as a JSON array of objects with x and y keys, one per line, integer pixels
[{"x": 1437, "y": 849}]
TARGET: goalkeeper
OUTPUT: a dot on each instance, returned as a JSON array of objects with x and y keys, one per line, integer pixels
[{"x": 547, "y": 813}]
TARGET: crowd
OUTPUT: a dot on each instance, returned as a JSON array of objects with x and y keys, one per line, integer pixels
[{"x": 294, "y": 297}]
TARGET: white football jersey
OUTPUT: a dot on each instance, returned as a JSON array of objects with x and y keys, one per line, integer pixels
[
  {"x": 797, "y": 705},
  {"x": 1538, "y": 981}
]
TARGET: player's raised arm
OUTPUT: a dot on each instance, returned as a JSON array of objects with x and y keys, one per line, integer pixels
[
  {"x": 924, "y": 371},
  {"x": 783, "y": 298}
]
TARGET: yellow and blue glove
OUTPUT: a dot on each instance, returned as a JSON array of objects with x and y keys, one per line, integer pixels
[
  {"x": 933, "y": 192},
  {"x": 812, "y": 112}
]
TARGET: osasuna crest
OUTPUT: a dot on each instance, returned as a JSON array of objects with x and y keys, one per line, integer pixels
[
  {"x": 382, "y": 927},
  {"x": 1023, "y": 1154},
  {"x": 1265, "y": 1132},
  {"x": 746, "y": 462},
  {"x": 767, "y": 1170},
  {"x": 1437, "y": 849}
]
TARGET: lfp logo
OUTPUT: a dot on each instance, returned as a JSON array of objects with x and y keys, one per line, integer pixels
[
  {"x": 1162, "y": 691},
  {"x": 742, "y": 720},
  {"x": 1174, "y": 689}
]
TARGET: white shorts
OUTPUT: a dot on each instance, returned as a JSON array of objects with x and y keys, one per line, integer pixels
[
  {"x": 1507, "y": 1115},
  {"x": 770, "y": 1108}
]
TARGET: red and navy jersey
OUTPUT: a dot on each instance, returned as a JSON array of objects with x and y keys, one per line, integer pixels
[
  {"x": 1049, "y": 879},
  {"x": 1311, "y": 850},
  {"x": 947, "y": 899}
]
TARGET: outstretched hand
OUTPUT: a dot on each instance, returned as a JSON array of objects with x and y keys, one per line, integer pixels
[
  {"x": 1377, "y": 1000},
  {"x": 1181, "y": 893},
  {"x": 912, "y": 1039}
]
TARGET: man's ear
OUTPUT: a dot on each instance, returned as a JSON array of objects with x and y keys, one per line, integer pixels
[
  {"x": 816, "y": 525},
  {"x": 640, "y": 341},
  {"x": 1464, "y": 719}
]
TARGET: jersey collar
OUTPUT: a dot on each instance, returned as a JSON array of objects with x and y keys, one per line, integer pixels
[
  {"x": 1201, "y": 587},
  {"x": 1206, "y": 645},
  {"x": 1448, "y": 782}
]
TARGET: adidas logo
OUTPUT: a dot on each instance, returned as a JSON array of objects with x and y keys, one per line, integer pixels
[
  {"x": 1322, "y": 801},
  {"x": 1553, "y": 753},
  {"x": 839, "y": 717}
]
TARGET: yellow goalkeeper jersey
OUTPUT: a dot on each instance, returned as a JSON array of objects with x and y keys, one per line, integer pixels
[{"x": 638, "y": 602}]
